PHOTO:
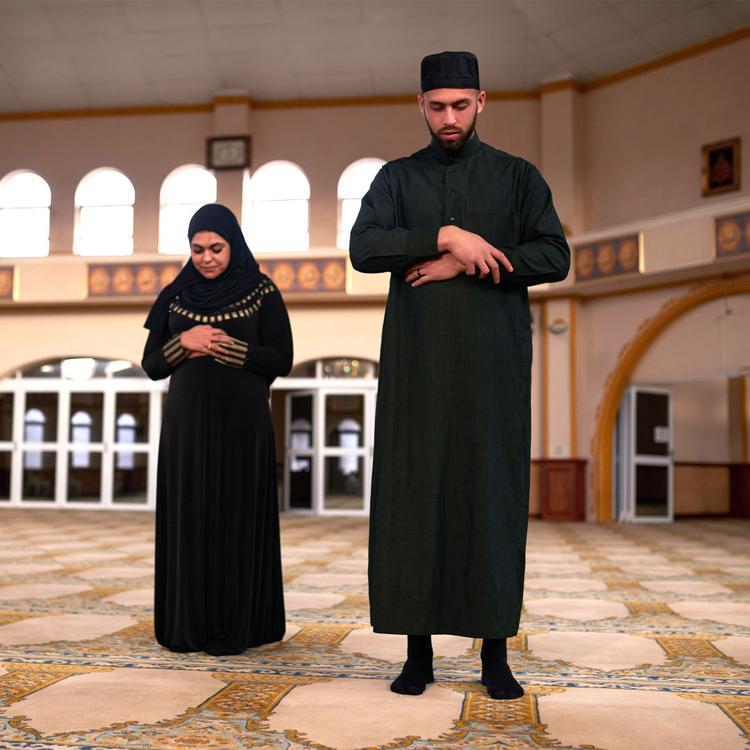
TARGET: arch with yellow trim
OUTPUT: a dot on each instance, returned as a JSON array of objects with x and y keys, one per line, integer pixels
[{"x": 619, "y": 377}]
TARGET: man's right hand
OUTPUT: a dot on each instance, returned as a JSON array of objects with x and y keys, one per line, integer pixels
[
  {"x": 204, "y": 339},
  {"x": 473, "y": 252}
]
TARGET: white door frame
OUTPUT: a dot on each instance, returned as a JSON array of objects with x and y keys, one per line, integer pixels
[
  {"x": 629, "y": 460},
  {"x": 319, "y": 389}
]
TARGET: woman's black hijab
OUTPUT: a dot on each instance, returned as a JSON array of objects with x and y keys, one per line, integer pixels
[{"x": 203, "y": 295}]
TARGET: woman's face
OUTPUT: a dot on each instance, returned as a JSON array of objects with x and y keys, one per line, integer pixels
[{"x": 210, "y": 253}]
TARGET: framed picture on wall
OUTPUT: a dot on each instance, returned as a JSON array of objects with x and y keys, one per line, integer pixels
[
  {"x": 721, "y": 166},
  {"x": 228, "y": 152}
]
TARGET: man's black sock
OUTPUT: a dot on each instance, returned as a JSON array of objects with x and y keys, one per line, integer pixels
[
  {"x": 417, "y": 671},
  {"x": 496, "y": 674}
]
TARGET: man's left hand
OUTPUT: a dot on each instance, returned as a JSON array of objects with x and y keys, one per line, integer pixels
[{"x": 440, "y": 269}]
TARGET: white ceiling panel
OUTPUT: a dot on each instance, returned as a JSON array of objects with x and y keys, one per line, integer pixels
[
  {"x": 549, "y": 16},
  {"x": 314, "y": 86},
  {"x": 622, "y": 52},
  {"x": 78, "y": 18},
  {"x": 246, "y": 39},
  {"x": 177, "y": 14},
  {"x": 231, "y": 13},
  {"x": 691, "y": 27},
  {"x": 39, "y": 74},
  {"x": 19, "y": 48},
  {"x": 596, "y": 31},
  {"x": 155, "y": 44},
  {"x": 54, "y": 52},
  {"x": 177, "y": 91},
  {"x": 23, "y": 18},
  {"x": 644, "y": 14},
  {"x": 113, "y": 70},
  {"x": 74, "y": 97},
  {"x": 391, "y": 12},
  {"x": 305, "y": 13},
  {"x": 121, "y": 95},
  {"x": 734, "y": 12}
]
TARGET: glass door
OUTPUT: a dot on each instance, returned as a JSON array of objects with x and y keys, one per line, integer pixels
[
  {"x": 645, "y": 465},
  {"x": 84, "y": 447},
  {"x": 6, "y": 444},
  {"x": 299, "y": 464},
  {"x": 39, "y": 440},
  {"x": 346, "y": 451},
  {"x": 85, "y": 444},
  {"x": 328, "y": 444}
]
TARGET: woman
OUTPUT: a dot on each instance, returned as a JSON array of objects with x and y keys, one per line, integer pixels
[{"x": 221, "y": 330}]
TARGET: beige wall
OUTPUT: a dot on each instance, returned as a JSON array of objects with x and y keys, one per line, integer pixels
[
  {"x": 706, "y": 341},
  {"x": 700, "y": 421},
  {"x": 318, "y": 330},
  {"x": 643, "y": 136}
]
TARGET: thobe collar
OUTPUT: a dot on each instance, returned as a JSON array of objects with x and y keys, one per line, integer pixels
[{"x": 467, "y": 150}]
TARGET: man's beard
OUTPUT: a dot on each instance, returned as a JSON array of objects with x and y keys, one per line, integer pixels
[{"x": 456, "y": 144}]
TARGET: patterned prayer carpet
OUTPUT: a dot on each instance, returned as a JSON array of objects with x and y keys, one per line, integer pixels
[{"x": 633, "y": 638}]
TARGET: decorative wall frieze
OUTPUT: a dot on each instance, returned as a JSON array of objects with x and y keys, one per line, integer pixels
[
  {"x": 308, "y": 274},
  {"x": 130, "y": 279},
  {"x": 614, "y": 256},
  {"x": 732, "y": 234}
]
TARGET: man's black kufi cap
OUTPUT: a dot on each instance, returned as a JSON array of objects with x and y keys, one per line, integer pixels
[{"x": 450, "y": 70}]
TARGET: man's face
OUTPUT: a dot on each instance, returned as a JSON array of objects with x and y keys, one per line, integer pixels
[{"x": 451, "y": 114}]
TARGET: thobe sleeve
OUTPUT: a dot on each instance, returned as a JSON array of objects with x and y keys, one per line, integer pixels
[
  {"x": 377, "y": 243},
  {"x": 543, "y": 254},
  {"x": 161, "y": 358},
  {"x": 272, "y": 356}
]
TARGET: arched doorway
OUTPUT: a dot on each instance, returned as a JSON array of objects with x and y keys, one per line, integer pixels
[
  {"x": 619, "y": 378},
  {"x": 324, "y": 417}
]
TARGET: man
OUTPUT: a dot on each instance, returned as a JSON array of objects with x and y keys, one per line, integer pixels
[{"x": 463, "y": 229}]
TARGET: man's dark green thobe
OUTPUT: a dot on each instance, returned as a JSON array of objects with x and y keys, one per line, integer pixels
[{"x": 452, "y": 432}]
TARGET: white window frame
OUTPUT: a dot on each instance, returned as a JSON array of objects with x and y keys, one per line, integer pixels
[
  {"x": 253, "y": 207},
  {"x": 79, "y": 242},
  {"x": 45, "y": 205},
  {"x": 342, "y": 233},
  {"x": 191, "y": 206}
]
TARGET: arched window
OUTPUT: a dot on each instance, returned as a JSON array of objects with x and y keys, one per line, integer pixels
[
  {"x": 276, "y": 215},
  {"x": 33, "y": 432},
  {"x": 353, "y": 184},
  {"x": 104, "y": 214},
  {"x": 126, "y": 433},
  {"x": 80, "y": 432},
  {"x": 25, "y": 199},
  {"x": 183, "y": 192}
]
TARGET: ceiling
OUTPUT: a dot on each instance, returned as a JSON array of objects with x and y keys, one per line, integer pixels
[{"x": 69, "y": 54}]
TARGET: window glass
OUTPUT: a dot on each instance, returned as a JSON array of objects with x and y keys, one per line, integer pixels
[{"x": 25, "y": 200}]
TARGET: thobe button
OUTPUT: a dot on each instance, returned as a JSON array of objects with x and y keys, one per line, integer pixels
[
  {"x": 452, "y": 219},
  {"x": 453, "y": 192}
]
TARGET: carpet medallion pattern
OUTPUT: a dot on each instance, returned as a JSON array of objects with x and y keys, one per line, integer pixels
[{"x": 631, "y": 637}]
